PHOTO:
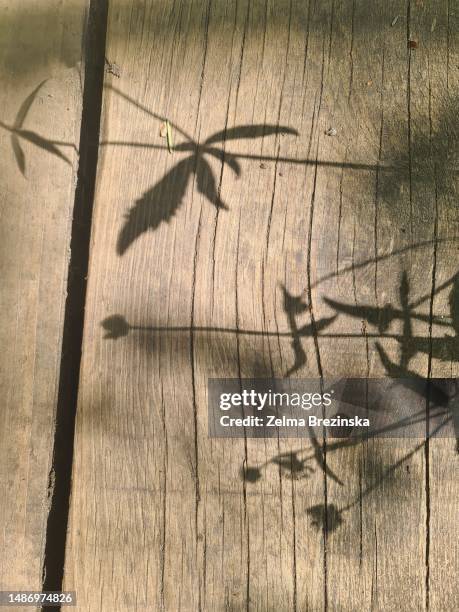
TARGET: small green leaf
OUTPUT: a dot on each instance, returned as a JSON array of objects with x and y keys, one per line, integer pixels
[{"x": 170, "y": 143}]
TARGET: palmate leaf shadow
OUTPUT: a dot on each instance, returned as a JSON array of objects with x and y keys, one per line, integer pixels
[{"x": 161, "y": 202}]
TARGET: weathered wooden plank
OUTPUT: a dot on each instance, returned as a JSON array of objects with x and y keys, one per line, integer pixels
[
  {"x": 376, "y": 555},
  {"x": 40, "y": 72},
  {"x": 155, "y": 444},
  {"x": 161, "y": 517},
  {"x": 442, "y": 455},
  {"x": 386, "y": 508}
]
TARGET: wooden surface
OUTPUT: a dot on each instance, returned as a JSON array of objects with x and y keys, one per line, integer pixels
[
  {"x": 40, "y": 43},
  {"x": 330, "y": 169}
]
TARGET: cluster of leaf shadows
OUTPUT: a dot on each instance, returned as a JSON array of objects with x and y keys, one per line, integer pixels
[
  {"x": 439, "y": 403},
  {"x": 297, "y": 464},
  {"x": 432, "y": 161},
  {"x": 161, "y": 202}
]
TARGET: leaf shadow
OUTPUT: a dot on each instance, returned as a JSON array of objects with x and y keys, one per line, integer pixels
[
  {"x": 161, "y": 202},
  {"x": 18, "y": 133}
]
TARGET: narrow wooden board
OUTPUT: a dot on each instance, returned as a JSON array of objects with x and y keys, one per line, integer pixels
[
  {"x": 161, "y": 515},
  {"x": 40, "y": 73},
  {"x": 442, "y": 456}
]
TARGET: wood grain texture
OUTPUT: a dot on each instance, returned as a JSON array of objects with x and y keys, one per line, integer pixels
[
  {"x": 190, "y": 250},
  {"x": 40, "y": 43}
]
